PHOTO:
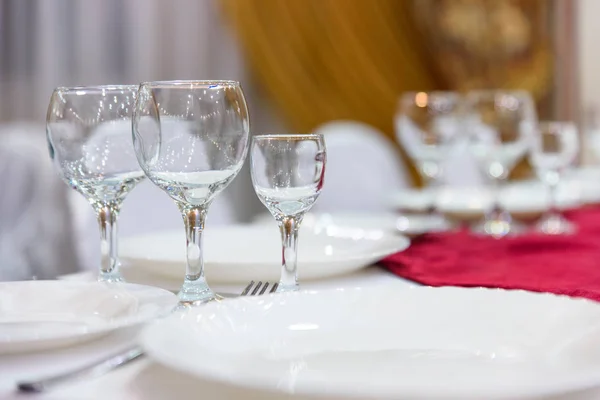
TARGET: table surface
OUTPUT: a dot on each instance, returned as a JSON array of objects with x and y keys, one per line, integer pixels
[{"x": 145, "y": 379}]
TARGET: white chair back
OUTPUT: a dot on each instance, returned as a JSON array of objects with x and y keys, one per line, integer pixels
[
  {"x": 36, "y": 234},
  {"x": 363, "y": 169}
]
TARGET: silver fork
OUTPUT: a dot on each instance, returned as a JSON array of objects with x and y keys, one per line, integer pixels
[
  {"x": 259, "y": 289},
  {"x": 113, "y": 362}
]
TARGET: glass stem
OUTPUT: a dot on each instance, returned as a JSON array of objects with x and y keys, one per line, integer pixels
[
  {"x": 496, "y": 209},
  {"x": 289, "y": 253},
  {"x": 195, "y": 288},
  {"x": 552, "y": 202},
  {"x": 109, "y": 264}
]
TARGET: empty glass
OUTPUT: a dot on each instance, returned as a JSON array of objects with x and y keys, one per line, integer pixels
[
  {"x": 191, "y": 139},
  {"x": 287, "y": 174},
  {"x": 501, "y": 127},
  {"x": 89, "y": 137},
  {"x": 427, "y": 124},
  {"x": 555, "y": 148}
]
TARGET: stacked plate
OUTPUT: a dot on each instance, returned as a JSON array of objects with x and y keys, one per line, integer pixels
[
  {"x": 525, "y": 200},
  {"x": 39, "y": 315}
]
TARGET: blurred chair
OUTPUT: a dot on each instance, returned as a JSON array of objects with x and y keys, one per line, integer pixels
[
  {"x": 363, "y": 169},
  {"x": 36, "y": 239},
  {"x": 460, "y": 167}
]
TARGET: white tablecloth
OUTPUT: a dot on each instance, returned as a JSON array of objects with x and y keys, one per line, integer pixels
[
  {"x": 144, "y": 379},
  {"x": 141, "y": 379}
]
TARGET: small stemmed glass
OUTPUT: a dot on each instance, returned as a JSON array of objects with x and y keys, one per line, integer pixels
[
  {"x": 501, "y": 127},
  {"x": 191, "y": 140},
  {"x": 287, "y": 174},
  {"x": 427, "y": 126},
  {"x": 555, "y": 148},
  {"x": 89, "y": 139}
]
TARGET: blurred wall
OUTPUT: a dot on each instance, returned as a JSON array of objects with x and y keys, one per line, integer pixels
[{"x": 588, "y": 32}]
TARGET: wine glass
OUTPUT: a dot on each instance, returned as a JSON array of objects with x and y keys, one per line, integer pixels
[
  {"x": 427, "y": 125},
  {"x": 191, "y": 139},
  {"x": 555, "y": 148},
  {"x": 287, "y": 174},
  {"x": 89, "y": 138},
  {"x": 501, "y": 127}
]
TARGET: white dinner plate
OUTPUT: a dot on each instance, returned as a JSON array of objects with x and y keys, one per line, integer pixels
[
  {"x": 39, "y": 315},
  {"x": 528, "y": 199},
  {"x": 388, "y": 342},
  {"x": 587, "y": 181},
  {"x": 389, "y": 223},
  {"x": 413, "y": 200},
  {"x": 240, "y": 253}
]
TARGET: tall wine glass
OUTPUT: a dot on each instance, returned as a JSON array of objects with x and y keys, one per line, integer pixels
[
  {"x": 427, "y": 125},
  {"x": 555, "y": 148},
  {"x": 191, "y": 139},
  {"x": 287, "y": 174},
  {"x": 89, "y": 138},
  {"x": 501, "y": 126}
]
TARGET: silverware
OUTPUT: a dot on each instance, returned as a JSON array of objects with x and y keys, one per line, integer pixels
[
  {"x": 99, "y": 368},
  {"x": 94, "y": 370},
  {"x": 259, "y": 289}
]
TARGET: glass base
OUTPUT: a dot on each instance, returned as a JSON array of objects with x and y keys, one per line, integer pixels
[
  {"x": 193, "y": 293},
  {"x": 114, "y": 276},
  {"x": 498, "y": 228},
  {"x": 555, "y": 224},
  {"x": 287, "y": 288}
]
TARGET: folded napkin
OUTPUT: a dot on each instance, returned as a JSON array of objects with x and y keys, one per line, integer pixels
[{"x": 567, "y": 265}]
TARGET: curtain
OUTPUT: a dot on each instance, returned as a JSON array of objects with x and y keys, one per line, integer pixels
[
  {"x": 322, "y": 60},
  {"x": 329, "y": 59},
  {"x": 489, "y": 44},
  {"x": 49, "y": 43}
]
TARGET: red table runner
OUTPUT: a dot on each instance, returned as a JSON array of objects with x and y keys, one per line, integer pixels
[{"x": 558, "y": 264}]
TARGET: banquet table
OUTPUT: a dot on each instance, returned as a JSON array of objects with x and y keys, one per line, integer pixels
[{"x": 144, "y": 379}]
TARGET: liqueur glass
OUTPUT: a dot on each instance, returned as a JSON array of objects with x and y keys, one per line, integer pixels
[{"x": 288, "y": 173}]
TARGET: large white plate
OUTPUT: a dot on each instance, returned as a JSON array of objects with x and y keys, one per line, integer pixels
[
  {"x": 38, "y": 315},
  {"x": 238, "y": 254},
  {"x": 388, "y": 342}
]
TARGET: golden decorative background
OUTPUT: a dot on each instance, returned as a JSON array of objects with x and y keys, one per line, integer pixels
[{"x": 322, "y": 60}]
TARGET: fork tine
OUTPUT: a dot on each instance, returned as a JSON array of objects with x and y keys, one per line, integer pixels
[
  {"x": 248, "y": 288},
  {"x": 264, "y": 289},
  {"x": 257, "y": 288},
  {"x": 274, "y": 288}
]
